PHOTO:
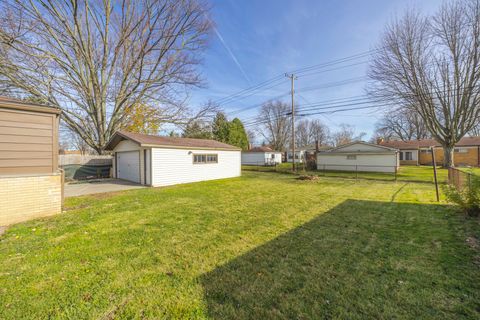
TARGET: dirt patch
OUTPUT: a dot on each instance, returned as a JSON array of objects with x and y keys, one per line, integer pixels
[
  {"x": 105, "y": 195},
  {"x": 308, "y": 178},
  {"x": 473, "y": 243},
  {"x": 2, "y": 230}
]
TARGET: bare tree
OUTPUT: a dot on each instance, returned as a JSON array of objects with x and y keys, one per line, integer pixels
[
  {"x": 96, "y": 59},
  {"x": 276, "y": 126},
  {"x": 252, "y": 136},
  {"x": 431, "y": 65},
  {"x": 309, "y": 131},
  {"x": 346, "y": 134},
  {"x": 475, "y": 131},
  {"x": 401, "y": 124}
]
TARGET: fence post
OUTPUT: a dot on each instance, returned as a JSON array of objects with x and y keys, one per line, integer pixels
[
  {"x": 396, "y": 168},
  {"x": 356, "y": 172},
  {"x": 435, "y": 173}
]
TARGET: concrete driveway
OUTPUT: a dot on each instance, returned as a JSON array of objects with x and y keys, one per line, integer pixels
[{"x": 98, "y": 186}]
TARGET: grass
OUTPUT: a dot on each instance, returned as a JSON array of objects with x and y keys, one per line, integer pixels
[
  {"x": 405, "y": 173},
  {"x": 263, "y": 246}
]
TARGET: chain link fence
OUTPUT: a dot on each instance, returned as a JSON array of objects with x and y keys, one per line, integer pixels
[{"x": 460, "y": 179}]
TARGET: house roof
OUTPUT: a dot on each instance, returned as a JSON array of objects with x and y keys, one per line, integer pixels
[
  {"x": 425, "y": 143},
  {"x": 262, "y": 149},
  {"x": 313, "y": 147},
  {"x": 16, "y": 104},
  {"x": 145, "y": 140},
  {"x": 381, "y": 148}
]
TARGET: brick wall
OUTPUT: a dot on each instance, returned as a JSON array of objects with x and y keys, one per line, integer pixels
[
  {"x": 470, "y": 158},
  {"x": 27, "y": 197},
  {"x": 425, "y": 158}
]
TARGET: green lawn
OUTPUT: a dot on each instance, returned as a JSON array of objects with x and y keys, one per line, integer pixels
[
  {"x": 263, "y": 246},
  {"x": 405, "y": 173}
]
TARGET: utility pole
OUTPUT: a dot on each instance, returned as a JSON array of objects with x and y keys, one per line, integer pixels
[{"x": 293, "y": 78}]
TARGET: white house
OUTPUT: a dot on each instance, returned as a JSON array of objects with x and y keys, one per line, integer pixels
[
  {"x": 299, "y": 156},
  {"x": 261, "y": 156},
  {"x": 162, "y": 161},
  {"x": 359, "y": 156}
]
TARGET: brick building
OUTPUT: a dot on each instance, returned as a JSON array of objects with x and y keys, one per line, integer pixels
[
  {"x": 417, "y": 152},
  {"x": 30, "y": 182}
]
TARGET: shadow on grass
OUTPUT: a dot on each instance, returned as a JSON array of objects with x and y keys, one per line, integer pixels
[{"x": 362, "y": 259}]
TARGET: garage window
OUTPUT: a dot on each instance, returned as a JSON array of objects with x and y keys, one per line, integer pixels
[
  {"x": 205, "y": 158},
  {"x": 351, "y": 157}
]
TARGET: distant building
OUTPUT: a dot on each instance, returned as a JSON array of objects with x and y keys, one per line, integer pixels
[
  {"x": 359, "y": 156},
  {"x": 417, "y": 152},
  {"x": 261, "y": 156}
]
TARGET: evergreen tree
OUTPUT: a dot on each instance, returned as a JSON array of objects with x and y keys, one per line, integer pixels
[
  {"x": 197, "y": 130},
  {"x": 220, "y": 128},
  {"x": 237, "y": 135}
]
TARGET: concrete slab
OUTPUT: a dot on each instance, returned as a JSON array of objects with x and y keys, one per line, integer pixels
[{"x": 98, "y": 186}]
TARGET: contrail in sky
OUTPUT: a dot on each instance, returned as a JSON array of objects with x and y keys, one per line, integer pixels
[{"x": 231, "y": 54}]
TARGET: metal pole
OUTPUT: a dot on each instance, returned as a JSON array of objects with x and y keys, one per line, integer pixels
[
  {"x": 292, "y": 78},
  {"x": 435, "y": 172}
]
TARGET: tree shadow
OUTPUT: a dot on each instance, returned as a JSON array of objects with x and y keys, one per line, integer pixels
[{"x": 362, "y": 259}]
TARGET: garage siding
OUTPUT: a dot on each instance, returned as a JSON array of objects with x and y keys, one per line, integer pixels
[
  {"x": 174, "y": 166},
  {"x": 369, "y": 162},
  {"x": 28, "y": 142}
]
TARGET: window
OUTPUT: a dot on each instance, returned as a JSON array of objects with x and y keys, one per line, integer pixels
[
  {"x": 461, "y": 150},
  {"x": 205, "y": 158},
  {"x": 351, "y": 157},
  {"x": 408, "y": 155},
  {"x": 401, "y": 156},
  {"x": 425, "y": 151}
]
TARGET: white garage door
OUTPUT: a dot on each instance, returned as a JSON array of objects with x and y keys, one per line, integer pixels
[{"x": 128, "y": 166}]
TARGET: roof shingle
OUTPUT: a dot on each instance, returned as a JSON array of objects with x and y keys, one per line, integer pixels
[
  {"x": 261, "y": 149},
  {"x": 150, "y": 140}
]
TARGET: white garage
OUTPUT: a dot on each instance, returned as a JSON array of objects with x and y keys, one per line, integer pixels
[
  {"x": 162, "y": 161},
  {"x": 261, "y": 156},
  {"x": 359, "y": 156}
]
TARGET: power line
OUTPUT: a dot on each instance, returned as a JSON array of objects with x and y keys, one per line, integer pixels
[
  {"x": 238, "y": 95},
  {"x": 311, "y": 88}
]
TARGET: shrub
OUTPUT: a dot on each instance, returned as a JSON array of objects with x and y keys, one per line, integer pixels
[{"x": 468, "y": 197}]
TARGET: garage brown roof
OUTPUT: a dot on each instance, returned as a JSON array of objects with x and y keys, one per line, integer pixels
[
  {"x": 146, "y": 140},
  {"x": 425, "y": 143}
]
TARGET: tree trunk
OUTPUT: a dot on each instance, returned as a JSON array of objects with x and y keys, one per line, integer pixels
[{"x": 448, "y": 157}]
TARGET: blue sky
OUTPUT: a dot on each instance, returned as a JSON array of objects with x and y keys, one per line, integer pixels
[{"x": 265, "y": 38}]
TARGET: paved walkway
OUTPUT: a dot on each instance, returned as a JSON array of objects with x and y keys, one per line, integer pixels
[{"x": 98, "y": 186}]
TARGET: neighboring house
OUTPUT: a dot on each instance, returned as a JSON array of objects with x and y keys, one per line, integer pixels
[
  {"x": 162, "y": 161},
  {"x": 261, "y": 156},
  {"x": 30, "y": 182},
  {"x": 418, "y": 152},
  {"x": 299, "y": 155},
  {"x": 359, "y": 156}
]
